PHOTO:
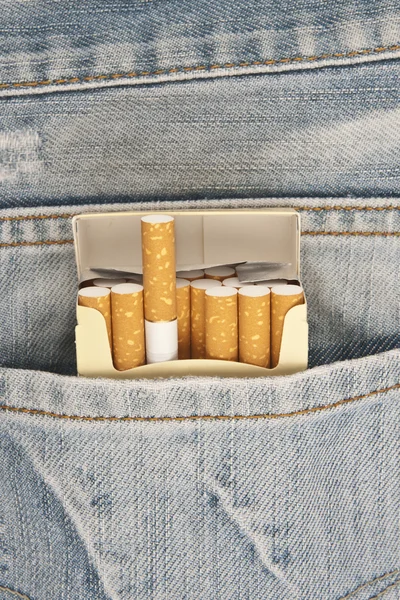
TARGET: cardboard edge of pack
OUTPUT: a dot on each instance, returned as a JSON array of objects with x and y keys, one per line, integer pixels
[{"x": 204, "y": 238}]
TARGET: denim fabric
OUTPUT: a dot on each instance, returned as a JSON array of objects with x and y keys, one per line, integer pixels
[
  {"x": 325, "y": 132},
  {"x": 201, "y": 488},
  {"x": 282, "y": 489},
  {"x": 64, "y": 42}
]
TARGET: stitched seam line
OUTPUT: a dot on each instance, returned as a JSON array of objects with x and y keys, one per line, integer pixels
[
  {"x": 115, "y": 76},
  {"x": 10, "y": 591},
  {"x": 359, "y": 233},
  {"x": 312, "y": 233},
  {"x": 41, "y": 243},
  {"x": 389, "y": 587},
  {"x": 306, "y": 411},
  {"x": 364, "y": 585},
  {"x": 298, "y": 208}
]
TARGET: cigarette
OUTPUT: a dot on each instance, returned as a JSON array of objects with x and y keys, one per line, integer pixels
[
  {"x": 283, "y": 298},
  {"x": 254, "y": 325},
  {"x": 191, "y": 275},
  {"x": 127, "y": 326},
  {"x": 198, "y": 317},
  {"x": 235, "y": 283},
  {"x": 98, "y": 298},
  {"x": 183, "y": 311},
  {"x": 108, "y": 283},
  {"x": 219, "y": 273},
  {"x": 159, "y": 281},
  {"x": 222, "y": 323}
]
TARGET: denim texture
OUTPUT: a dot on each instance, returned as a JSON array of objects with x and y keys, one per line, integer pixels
[
  {"x": 323, "y": 132},
  {"x": 167, "y": 493},
  {"x": 201, "y": 488},
  {"x": 45, "y": 42}
]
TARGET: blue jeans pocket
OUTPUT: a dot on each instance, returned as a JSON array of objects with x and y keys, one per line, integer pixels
[{"x": 202, "y": 488}]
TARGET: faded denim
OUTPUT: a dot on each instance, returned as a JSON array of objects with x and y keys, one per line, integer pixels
[{"x": 201, "y": 489}]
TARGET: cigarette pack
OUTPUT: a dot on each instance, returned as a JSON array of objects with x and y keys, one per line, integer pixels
[{"x": 111, "y": 243}]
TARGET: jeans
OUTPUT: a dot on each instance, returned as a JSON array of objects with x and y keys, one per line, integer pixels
[{"x": 201, "y": 488}]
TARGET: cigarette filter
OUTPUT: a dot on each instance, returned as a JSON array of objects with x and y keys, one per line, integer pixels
[
  {"x": 158, "y": 255},
  {"x": 254, "y": 325},
  {"x": 98, "y": 298},
  {"x": 159, "y": 281},
  {"x": 221, "y": 323},
  {"x": 283, "y": 298},
  {"x": 108, "y": 283},
  {"x": 198, "y": 317},
  {"x": 191, "y": 275},
  {"x": 127, "y": 326},
  {"x": 183, "y": 310},
  {"x": 235, "y": 283},
  {"x": 219, "y": 273}
]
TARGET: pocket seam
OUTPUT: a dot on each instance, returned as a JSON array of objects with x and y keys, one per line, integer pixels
[
  {"x": 312, "y": 233},
  {"x": 380, "y": 578},
  {"x": 306, "y": 411},
  {"x": 208, "y": 68},
  {"x": 298, "y": 208},
  {"x": 17, "y": 594}
]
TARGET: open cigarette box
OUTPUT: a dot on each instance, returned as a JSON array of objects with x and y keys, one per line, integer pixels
[{"x": 204, "y": 238}]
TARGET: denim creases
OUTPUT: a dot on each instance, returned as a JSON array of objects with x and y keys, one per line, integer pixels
[{"x": 202, "y": 488}]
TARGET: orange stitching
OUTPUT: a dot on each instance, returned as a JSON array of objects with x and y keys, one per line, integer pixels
[
  {"x": 350, "y": 54},
  {"x": 306, "y": 411},
  {"x": 364, "y": 585},
  {"x": 10, "y": 591},
  {"x": 359, "y": 233},
  {"x": 34, "y": 217},
  {"x": 333, "y": 233},
  {"x": 389, "y": 587},
  {"x": 43, "y": 243},
  {"x": 303, "y": 208}
]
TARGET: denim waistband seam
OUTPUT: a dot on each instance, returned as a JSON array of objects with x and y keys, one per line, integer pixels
[
  {"x": 298, "y": 208},
  {"x": 306, "y": 411},
  {"x": 207, "y": 68}
]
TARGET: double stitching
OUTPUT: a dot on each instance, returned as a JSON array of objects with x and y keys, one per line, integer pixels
[
  {"x": 209, "y": 68},
  {"x": 311, "y": 233},
  {"x": 298, "y": 208},
  {"x": 306, "y": 411},
  {"x": 380, "y": 578}
]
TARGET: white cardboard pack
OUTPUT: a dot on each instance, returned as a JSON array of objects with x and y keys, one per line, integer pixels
[{"x": 204, "y": 238}]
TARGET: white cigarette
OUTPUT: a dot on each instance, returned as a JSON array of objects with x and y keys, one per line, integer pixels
[{"x": 161, "y": 341}]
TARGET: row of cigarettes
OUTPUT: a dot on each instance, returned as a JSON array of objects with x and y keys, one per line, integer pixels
[{"x": 197, "y": 314}]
